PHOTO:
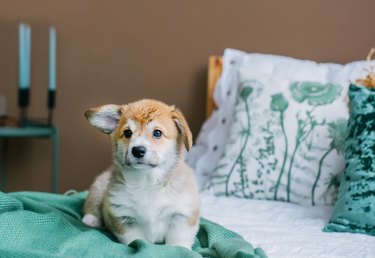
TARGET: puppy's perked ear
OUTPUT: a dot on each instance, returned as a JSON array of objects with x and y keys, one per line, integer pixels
[
  {"x": 182, "y": 127},
  {"x": 105, "y": 118}
]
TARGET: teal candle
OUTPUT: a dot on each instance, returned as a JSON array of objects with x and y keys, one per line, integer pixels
[
  {"x": 24, "y": 55},
  {"x": 28, "y": 55},
  {"x": 52, "y": 59}
]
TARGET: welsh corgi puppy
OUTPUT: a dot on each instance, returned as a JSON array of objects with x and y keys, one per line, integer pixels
[{"x": 149, "y": 192}]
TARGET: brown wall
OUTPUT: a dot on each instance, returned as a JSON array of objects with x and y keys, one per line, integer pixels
[{"x": 116, "y": 51}]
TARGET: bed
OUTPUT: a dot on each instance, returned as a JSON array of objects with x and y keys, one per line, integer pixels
[{"x": 281, "y": 227}]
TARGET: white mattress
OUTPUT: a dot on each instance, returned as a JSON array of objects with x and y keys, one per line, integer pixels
[{"x": 284, "y": 229}]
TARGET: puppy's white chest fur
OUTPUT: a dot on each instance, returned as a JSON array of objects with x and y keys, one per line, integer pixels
[{"x": 148, "y": 205}]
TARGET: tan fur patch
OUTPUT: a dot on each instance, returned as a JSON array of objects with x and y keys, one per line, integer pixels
[
  {"x": 183, "y": 128},
  {"x": 111, "y": 221},
  {"x": 94, "y": 200}
]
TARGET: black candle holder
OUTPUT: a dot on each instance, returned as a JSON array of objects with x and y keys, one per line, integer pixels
[
  {"x": 23, "y": 103},
  {"x": 51, "y": 105}
]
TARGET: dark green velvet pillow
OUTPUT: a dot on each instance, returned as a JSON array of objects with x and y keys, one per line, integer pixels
[{"x": 354, "y": 210}]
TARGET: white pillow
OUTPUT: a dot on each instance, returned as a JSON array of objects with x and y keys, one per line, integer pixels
[{"x": 285, "y": 142}]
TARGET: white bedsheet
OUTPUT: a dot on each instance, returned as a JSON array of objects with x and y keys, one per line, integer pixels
[{"x": 284, "y": 229}]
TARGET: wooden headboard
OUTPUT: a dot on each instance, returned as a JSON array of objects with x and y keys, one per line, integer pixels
[{"x": 215, "y": 66}]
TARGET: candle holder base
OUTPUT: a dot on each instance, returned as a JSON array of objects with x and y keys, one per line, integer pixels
[
  {"x": 42, "y": 122},
  {"x": 23, "y": 117},
  {"x": 50, "y": 116}
]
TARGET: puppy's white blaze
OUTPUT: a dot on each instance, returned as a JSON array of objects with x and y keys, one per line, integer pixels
[
  {"x": 132, "y": 125},
  {"x": 140, "y": 141}
]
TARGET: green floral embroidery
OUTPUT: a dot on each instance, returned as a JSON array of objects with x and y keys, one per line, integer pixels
[
  {"x": 304, "y": 129},
  {"x": 244, "y": 94},
  {"x": 314, "y": 93},
  {"x": 265, "y": 158},
  {"x": 337, "y": 132},
  {"x": 280, "y": 104},
  {"x": 246, "y": 91},
  {"x": 237, "y": 167}
]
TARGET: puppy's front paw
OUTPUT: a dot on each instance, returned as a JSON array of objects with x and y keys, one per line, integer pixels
[
  {"x": 181, "y": 234},
  {"x": 91, "y": 220}
]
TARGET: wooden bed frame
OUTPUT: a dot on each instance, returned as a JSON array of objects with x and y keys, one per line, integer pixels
[{"x": 215, "y": 67}]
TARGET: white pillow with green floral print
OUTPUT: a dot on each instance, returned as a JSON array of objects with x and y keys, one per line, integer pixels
[{"x": 286, "y": 142}]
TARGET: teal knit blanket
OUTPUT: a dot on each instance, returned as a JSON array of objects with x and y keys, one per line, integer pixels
[{"x": 35, "y": 224}]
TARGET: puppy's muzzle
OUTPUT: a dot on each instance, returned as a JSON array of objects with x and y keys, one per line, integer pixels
[{"x": 139, "y": 151}]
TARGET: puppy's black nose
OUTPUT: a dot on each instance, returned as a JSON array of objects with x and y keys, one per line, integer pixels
[{"x": 138, "y": 151}]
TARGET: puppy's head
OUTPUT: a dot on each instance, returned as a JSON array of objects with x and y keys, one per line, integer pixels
[{"x": 145, "y": 134}]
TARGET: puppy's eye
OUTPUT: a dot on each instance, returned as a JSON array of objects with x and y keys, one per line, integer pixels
[
  {"x": 128, "y": 133},
  {"x": 157, "y": 134}
]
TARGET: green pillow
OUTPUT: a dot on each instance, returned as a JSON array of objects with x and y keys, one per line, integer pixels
[{"x": 354, "y": 210}]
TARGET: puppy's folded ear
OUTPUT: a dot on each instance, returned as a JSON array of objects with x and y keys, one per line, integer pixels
[
  {"x": 182, "y": 127},
  {"x": 105, "y": 118}
]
